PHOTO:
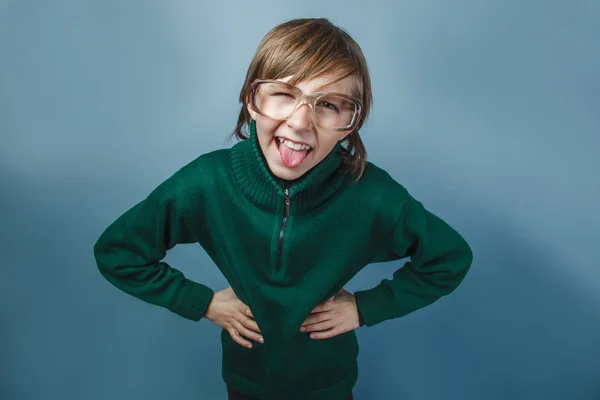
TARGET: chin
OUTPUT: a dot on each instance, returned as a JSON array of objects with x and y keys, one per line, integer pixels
[
  {"x": 286, "y": 173},
  {"x": 289, "y": 174}
]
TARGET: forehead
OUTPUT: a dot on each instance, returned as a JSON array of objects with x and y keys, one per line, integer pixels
[{"x": 329, "y": 82}]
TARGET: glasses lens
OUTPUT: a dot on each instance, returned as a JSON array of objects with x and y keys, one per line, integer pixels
[
  {"x": 335, "y": 112},
  {"x": 277, "y": 101}
]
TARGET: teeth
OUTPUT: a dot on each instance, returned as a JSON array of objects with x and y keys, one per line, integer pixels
[{"x": 291, "y": 145}]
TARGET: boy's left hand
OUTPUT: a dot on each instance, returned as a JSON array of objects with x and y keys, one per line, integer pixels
[{"x": 332, "y": 317}]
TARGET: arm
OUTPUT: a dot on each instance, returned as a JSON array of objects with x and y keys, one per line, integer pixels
[
  {"x": 129, "y": 252},
  {"x": 439, "y": 260}
]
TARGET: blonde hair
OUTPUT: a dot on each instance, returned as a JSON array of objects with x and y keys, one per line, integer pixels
[{"x": 307, "y": 48}]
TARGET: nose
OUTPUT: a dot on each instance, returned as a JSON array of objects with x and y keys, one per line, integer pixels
[{"x": 301, "y": 119}]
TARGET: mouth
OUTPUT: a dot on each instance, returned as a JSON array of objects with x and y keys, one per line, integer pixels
[
  {"x": 282, "y": 141},
  {"x": 292, "y": 153}
]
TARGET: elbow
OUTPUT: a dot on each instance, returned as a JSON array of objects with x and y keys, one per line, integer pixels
[
  {"x": 102, "y": 257},
  {"x": 99, "y": 257},
  {"x": 108, "y": 265},
  {"x": 469, "y": 256},
  {"x": 464, "y": 263},
  {"x": 461, "y": 264}
]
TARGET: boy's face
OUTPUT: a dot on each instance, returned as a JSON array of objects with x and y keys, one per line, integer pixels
[{"x": 300, "y": 128}]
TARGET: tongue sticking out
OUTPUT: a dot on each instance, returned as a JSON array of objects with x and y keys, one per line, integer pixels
[{"x": 291, "y": 157}]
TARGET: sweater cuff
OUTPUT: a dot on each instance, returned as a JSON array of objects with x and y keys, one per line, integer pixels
[
  {"x": 369, "y": 305},
  {"x": 361, "y": 321},
  {"x": 194, "y": 300}
]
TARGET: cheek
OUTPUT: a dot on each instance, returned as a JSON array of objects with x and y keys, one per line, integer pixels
[
  {"x": 326, "y": 144},
  {"x": 266, "y": 127}
]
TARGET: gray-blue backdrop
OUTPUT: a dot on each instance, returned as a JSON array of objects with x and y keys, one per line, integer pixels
[{"x": 487, "y": 111}]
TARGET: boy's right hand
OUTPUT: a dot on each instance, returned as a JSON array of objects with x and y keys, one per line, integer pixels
[{"x": 228, "y": 312}]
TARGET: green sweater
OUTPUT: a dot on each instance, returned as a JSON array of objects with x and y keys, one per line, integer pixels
[{"x": 284, "y": 247}]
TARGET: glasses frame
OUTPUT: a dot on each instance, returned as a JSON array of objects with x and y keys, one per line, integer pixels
[{"x": 308, "y": 99}]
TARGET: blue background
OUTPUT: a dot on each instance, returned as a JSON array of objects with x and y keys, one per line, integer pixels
[{"x": 487, "y": 111}]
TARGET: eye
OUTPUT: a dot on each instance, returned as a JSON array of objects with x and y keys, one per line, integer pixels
[
  {"x": 328, "y": 105},
  {"x": 281, "y": 94}
]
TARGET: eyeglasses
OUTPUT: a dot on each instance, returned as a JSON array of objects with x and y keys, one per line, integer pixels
[{"x": 280, "y": 100}]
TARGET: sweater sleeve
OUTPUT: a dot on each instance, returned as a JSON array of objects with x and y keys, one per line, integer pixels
[
  {"x": 129, "y": 253},
  {"x": 361, "y": 321},
  {"x": 439, "y": 261}
]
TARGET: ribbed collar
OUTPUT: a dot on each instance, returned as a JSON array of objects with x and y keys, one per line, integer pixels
[{"x": 255, "y": 179}]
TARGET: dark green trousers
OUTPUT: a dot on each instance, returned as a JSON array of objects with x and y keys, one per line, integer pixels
[{"x": 235, "y": 395}]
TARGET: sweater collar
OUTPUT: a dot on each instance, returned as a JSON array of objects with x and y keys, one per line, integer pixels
[{"x": 254, "y": 177}]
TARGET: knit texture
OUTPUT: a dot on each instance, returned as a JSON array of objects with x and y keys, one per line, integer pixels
[{"x": 230, "y": 203}]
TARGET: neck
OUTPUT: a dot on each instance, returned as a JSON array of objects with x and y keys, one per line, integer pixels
[{"x": 265, "y": 189}]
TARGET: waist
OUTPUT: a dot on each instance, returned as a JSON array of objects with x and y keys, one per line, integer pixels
[{"x": 294, "y": 365}]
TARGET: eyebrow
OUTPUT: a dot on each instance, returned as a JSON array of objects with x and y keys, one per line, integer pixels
[
  {"x": 353, "y": 88},
  {"x": 327, "y": 84},
  {"x": 354, "y": 92},
  {"x": 351, "y": 94}
]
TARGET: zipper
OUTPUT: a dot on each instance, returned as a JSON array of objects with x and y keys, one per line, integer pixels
[{"x": 286, "y": 213}]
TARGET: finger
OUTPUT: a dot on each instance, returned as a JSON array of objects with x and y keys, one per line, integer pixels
[
  {"x": 245, "y": 331},
  {"x": 251, "y": 324},
  {"x": 319, "y": 326},
  {"x": 325, "y": 306},
  {"x": 235, "y": 335},
  {"x": 326, "y": 334},
  {"x": 317, "y": 317}
]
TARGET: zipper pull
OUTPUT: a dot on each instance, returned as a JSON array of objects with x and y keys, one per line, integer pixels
[{"x": 287, "y": 201}]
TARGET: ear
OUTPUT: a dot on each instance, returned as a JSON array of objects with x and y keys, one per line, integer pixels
[
  {"x": 253, "y": 113},
  {"x": 344, "y": 135}
]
